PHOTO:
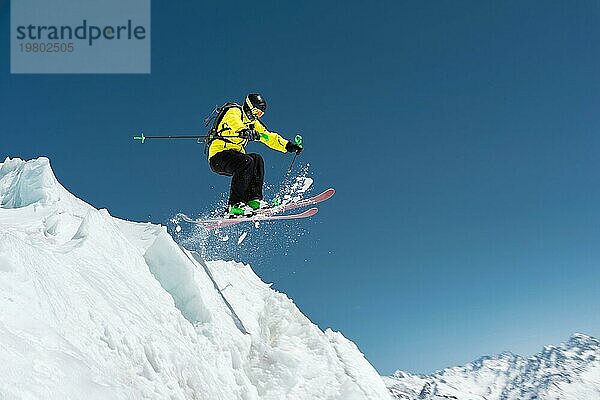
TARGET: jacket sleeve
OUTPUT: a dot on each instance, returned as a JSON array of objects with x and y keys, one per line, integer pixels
[{"x": 271, "y": 139}]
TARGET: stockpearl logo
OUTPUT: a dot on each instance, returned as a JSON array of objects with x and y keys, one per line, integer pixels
[{"x": 80, "y": 36}]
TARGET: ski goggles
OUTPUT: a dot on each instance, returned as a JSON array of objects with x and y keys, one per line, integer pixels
[{"x": 257, "y": 112}]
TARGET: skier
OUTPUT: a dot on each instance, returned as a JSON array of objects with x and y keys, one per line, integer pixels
[{"x": 234, "y": 127}]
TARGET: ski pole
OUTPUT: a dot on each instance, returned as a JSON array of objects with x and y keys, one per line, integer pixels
[
  {"x": 142, "y": 138},
  {"x": 291, "y": 166},
  {"x": 298, "y": 141}
]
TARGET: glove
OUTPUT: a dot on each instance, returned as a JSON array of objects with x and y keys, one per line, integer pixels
[
  {"x": 250, "y": 134},
  {"x": 291, "y": 147}
]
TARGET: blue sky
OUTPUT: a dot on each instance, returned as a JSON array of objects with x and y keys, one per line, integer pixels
[{"x": 461, "y": 137}]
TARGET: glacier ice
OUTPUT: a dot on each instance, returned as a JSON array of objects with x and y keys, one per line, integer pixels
[{"x": 97, "y": 307}]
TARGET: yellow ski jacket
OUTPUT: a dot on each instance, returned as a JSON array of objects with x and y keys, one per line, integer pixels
[{"x": 232, "y": 124}]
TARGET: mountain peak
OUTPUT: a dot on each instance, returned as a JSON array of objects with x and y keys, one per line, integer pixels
[
  {"x": 570, "y": 370},
  {"x": 582, "y": 340}
]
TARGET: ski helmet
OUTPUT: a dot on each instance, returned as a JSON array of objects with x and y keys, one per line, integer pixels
[{"x": 254, "y": 106}]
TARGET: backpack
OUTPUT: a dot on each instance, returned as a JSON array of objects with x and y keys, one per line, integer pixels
[{"x": 216, "y": 117}]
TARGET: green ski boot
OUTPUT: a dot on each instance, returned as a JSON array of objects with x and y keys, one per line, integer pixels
[
  {"x": 258, "y": 204},
  {"x": 239, "y": 210}
]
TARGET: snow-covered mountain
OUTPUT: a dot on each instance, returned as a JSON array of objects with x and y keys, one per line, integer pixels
[
  {"x": 95, "y": 307},
  {"x": 566, "y": 372}
]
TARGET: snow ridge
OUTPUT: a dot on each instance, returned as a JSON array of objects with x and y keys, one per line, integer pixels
[
  {"x": 26, "y": 183},
  {"x": 97, "y": 307},
  {"x": 570, "y": 370}
]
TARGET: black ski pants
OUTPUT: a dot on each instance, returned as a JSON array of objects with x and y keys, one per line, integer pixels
[{"x": 247, "y": 172}]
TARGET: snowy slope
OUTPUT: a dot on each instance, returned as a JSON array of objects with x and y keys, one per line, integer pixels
[
  {"x": 95, "y": 307},
  {"x": 569, "y": 371}
]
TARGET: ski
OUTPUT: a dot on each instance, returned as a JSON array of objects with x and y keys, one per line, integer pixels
[
  {"x": 223, "y": 222},
  {"x": 262, "y": 215},
  {"x": 325, "y": 195}
]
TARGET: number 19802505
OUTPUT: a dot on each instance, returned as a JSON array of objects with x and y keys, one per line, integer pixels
[{"x": 47, "y": 47}]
